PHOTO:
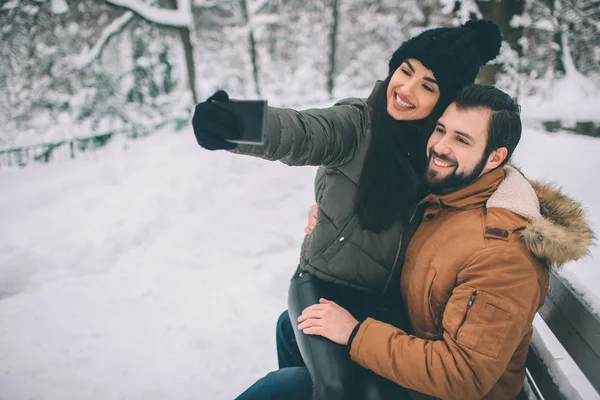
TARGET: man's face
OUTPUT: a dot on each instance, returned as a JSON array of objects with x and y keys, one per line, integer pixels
[{"x": 456, "y": 149}]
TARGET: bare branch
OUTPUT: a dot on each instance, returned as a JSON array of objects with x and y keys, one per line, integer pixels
[
  {"x": 159, "y": 16},
  {"x": 256, "y": 6},
  {"x": 88, "y": 56}
]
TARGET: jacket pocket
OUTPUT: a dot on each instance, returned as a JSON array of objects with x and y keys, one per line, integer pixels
[{"x": 485, "y": 324}]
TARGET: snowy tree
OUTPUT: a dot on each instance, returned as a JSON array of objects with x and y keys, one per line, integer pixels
[
  {"x": 77, "y": 65},
  {"x": 560, "y": 40},
  {"x": 38, "y": 77},
  {"x": 254, "y": 21},
  {"x": 180, "y": 17},
  {"x": 126, "y": 64},
  {"x": 371, "y": 32}
]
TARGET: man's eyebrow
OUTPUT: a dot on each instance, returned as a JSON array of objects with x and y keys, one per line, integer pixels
[
  {"x": 465, "y": 135},
  {"x": 457, "y": 132}
]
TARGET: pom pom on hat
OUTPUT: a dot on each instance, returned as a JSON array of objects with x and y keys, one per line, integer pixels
[{"x": 488, "y": 38}]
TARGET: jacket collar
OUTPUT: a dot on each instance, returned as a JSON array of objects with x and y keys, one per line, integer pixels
[{"x": 472, "y": 196}]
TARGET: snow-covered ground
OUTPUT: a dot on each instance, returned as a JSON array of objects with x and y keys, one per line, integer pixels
[
  {"x": 570, "y": 161},
  {"x": 158, "y": 272}
]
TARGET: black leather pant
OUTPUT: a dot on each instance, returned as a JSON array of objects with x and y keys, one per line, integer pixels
[{"x": 333, "y": 374}]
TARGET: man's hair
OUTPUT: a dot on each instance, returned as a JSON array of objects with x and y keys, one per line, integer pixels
[{"x": 505, "y": 124}]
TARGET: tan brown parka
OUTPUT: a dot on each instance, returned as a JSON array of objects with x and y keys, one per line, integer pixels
[{"x": 476, "y": 272}]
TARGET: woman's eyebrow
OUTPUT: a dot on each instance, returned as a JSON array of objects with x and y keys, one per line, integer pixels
[{"x": 413, "y": 70}]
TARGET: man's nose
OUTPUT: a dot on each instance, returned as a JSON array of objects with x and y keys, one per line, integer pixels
[{"x": 442, "y": 147}]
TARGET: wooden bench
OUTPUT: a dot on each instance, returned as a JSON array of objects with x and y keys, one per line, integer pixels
[{"x": 577, "y": 328}]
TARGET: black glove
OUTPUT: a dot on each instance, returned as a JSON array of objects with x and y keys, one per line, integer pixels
[{"x": 213, "y": 124}]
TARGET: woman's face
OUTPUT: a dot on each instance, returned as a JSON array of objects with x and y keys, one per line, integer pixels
[{"x": 412, "y": 92}]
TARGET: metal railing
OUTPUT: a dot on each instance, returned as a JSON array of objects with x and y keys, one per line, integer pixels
[{"x": 74, "y": 147}]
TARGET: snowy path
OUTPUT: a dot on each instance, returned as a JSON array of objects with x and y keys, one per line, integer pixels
[{"x": 158, "y": 272}]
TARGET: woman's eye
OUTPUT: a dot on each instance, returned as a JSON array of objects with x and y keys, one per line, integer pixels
[
  {"x": 428, "y": 88},
  {"x": 406, "y": 72}
]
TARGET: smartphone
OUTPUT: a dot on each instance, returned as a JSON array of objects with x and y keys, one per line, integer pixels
[{"x": 252, "y": 115}]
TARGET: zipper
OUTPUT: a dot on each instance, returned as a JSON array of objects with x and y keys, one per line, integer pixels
[
  {"x": 397, "y": 253},
  {"x": 466, "y": 312},
  {"x": 410, "y": 221},
  {"x": 393, "y": 272}
]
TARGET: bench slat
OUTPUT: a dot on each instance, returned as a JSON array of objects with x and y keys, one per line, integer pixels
[
  {"x": 575, "y": 326},
  {"x": 542, "y": 380}
]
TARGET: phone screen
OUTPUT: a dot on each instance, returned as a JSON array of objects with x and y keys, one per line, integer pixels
[{"x": 253, "y": 117}]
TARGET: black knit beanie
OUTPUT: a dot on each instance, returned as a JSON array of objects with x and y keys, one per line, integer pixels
[{"x": 454, "y": 55}]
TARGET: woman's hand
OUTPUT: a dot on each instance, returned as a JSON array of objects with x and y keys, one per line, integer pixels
[
  {"x": 312, "y": 219},
  {"x": 329, "y": 320}
]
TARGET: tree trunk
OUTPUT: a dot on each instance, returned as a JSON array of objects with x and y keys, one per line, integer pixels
[
  {"x": 189, "y": 55},
  {"x": 332, "y": 48},
  {"x": 252, "y": 47},
  {"x": 559, "y": 66},
  {"x": 501, "y": 12},
  {"x": 189, "y": 61}
]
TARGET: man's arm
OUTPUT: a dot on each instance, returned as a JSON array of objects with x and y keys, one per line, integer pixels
[
  {"x": 478, "y": 341},
  {"x": 329, "y": 136}
]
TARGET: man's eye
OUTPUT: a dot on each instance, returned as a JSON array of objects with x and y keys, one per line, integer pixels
[
  {"x": 461, "y": 140},
  {"x": 440, "y": 130}
]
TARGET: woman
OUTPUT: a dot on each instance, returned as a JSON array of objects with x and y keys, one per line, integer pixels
[{"x": 371, "y": 156}]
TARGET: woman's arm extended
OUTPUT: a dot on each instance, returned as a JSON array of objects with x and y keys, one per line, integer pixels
[{"x": 328, "y": 136}]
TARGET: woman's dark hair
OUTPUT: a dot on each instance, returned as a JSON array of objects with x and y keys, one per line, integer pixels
[{"x": 391, "y": 180}]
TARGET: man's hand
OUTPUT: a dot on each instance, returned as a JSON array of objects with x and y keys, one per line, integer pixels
[
  {"x": 312, "y": 219},
  {"x": 329, "y": 320}
]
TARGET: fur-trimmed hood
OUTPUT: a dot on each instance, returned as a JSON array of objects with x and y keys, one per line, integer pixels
[{"x": 558, "y": 230}]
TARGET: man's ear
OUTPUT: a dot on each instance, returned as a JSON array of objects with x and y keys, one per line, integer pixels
[{"x": 496, "y": 158}]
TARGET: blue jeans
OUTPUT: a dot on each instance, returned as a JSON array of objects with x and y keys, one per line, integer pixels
[
  {"x": 291, "y": 383},
  {"x": 292, "y": 380}
]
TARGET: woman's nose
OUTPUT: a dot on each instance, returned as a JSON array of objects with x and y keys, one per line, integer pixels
[{"x": 409, "y": 88}]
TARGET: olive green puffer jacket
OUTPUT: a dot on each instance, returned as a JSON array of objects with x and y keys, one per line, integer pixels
[{"x": 336, "y": 139}]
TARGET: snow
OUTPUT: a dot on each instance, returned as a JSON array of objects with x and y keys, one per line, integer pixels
[
  {"x": 155, "y": 272},
  {"x": 9, "y": 5},
  {"x": 573, "y": 98},
  {"x": 176, "y": 18},
  {"x": 153, "y": 269},
  {"x": 571, "y": 381},
  {"x": 568, "y": 160},
  {"x": 59, "y": 6}
]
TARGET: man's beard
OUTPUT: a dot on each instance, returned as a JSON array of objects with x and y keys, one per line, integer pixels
[{"x": 454, "y": 181}]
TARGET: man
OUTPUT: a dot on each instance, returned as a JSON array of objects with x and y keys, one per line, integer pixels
[{"x": 475, "y": 271}]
